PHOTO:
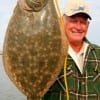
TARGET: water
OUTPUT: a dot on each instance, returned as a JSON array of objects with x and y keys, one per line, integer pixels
[{"x": 8, "y": 90}]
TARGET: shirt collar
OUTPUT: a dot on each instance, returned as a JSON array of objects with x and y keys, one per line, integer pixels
[{"x": 71, "y": 52}]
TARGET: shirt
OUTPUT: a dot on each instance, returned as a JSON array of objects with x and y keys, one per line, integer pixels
[
  {"x": 81, "y": 86},
  {"x": 79, "y": 57}
]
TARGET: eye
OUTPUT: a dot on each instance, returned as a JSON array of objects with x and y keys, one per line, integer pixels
[{"x": 84, "y": 22}]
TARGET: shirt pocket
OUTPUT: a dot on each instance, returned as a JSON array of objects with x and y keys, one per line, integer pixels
[{"x": 71, "y": 78}]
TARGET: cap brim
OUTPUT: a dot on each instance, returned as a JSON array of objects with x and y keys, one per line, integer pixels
[{"x": 88, "y": 16}]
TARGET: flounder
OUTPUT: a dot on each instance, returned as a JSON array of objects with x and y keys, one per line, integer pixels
[{"x": 35, "y": 47}]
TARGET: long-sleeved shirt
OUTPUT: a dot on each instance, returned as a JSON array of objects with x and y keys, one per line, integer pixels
[{"x": 81, "y": 86}]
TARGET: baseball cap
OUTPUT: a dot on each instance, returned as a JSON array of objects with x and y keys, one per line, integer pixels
[{"x": 77, "y": 6}]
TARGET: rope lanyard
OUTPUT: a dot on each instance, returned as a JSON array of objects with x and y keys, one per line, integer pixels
[
  {"x": 65, "y": 78},
  {"x": 65, "y": 64}
]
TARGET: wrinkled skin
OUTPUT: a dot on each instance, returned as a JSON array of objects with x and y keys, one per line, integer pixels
[
  {"x": 36, "y": 5},
  {"x": 34, "y": 48}
]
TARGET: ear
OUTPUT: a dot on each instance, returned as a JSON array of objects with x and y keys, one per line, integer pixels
[{"x": 88, "y": 22}]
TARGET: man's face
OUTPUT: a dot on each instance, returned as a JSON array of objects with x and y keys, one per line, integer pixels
[{"x": 76, "y": 27}]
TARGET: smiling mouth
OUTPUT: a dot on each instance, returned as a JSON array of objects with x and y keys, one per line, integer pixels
[{"x": 74, "y": 32}]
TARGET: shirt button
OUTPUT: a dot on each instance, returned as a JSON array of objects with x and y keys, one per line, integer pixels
[{"x": 83, "y": 83}]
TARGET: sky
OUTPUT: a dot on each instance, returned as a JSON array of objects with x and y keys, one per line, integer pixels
[{"x": 7, "y": 7}]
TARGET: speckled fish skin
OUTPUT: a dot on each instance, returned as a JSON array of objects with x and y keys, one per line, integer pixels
[{"x": 34, "y": 49}]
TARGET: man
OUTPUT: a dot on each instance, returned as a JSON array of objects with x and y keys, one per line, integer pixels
[{"x": 83, "y": 61}]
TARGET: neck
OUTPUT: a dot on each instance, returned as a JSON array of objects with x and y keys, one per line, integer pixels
[{"x": 76, "y": 46}]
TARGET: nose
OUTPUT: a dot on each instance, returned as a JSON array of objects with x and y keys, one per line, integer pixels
[{"x": 78, "y": 25}]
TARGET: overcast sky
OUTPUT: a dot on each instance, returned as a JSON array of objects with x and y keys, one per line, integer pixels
[{"x": 6, "y": 11}]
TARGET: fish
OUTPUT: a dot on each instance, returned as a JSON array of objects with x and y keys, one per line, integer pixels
[{"x": 35, "y": 47}]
